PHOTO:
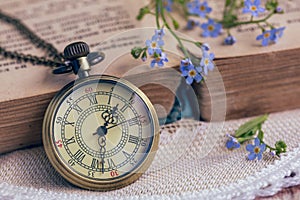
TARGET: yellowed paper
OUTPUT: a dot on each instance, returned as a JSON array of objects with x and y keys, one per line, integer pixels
[{"x": 94, "y": 21}]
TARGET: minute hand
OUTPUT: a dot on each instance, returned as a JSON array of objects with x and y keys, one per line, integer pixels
[{"x": 118, "y": 124}]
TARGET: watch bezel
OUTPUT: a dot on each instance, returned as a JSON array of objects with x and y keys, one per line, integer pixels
[{"x": 68, "y": 173}]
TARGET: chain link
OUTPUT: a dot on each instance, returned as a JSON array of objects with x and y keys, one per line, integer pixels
[{"x": 58, "y": 58}]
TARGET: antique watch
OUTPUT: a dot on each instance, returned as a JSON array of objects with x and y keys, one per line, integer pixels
[{"x": 99, "y": 132}]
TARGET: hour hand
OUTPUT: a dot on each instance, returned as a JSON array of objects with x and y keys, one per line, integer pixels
[{"x": 110, "y": 116}]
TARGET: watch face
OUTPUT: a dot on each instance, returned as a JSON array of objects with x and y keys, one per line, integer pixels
[{"x": 100, "y": 133}]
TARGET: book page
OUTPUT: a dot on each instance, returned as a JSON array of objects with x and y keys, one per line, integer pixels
[
  {"x": 60, "y": 23},
  {"x": 246, "y": 35},
  {"x": 110, "y": 26}
]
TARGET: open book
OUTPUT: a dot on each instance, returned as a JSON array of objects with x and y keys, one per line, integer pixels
[{"x": 256, "y": 79}]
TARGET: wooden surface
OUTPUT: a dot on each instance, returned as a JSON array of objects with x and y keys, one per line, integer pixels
[
  {"x": 256, "y": 85},
  {"x": 21, "y": 119}
]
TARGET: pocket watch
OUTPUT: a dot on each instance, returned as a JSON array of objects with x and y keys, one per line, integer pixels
[{"x": 99, "y": 132}]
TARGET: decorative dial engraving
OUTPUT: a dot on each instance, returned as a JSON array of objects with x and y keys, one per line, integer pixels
[{"x": 102, "y": 130}]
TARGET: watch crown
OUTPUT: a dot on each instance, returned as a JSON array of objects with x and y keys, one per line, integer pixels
[{"x": 76, "y": 50}]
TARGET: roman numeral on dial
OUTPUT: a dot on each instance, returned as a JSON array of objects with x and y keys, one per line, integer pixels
[
  {"x": 93, "y": 99},
  {"x": 127, "y": 155},
  {"x": 70, "y": 141},
  {"x": 111, "y": 164},
  {"x": 79, "y": 155},
  {"x": 96, "y": 164},
  {"x": 77, "y": 108},
  {"x": 133, "y": 121},
  {"x": 133, "y": 139}
]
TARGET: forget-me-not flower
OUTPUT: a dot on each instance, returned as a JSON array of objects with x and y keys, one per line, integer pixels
[
  {"x": 202, "y": 9},
  {"x": 159, "y": 60},
  {"x": 256, "y": 150},
  {"x": 267, "y": 36},
  {"x": 207, "y": 62},
  {"x": 159, "y": 33},
  {"x": 229, "y": 40},
  {"x": 253, "y": 7},
  {"x": 191, "y": 24},
  {"x": 168, "y": 5},
  {"x": 211, "y": 28},
  {"x": 190, "y": 72},
  {"x": 279, "y": 33},
  {"x": 154, "y": 46},
  {"x": 232, "y": 143}
]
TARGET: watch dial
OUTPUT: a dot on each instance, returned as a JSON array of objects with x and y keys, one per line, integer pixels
[{"x": 102, "y": 130}]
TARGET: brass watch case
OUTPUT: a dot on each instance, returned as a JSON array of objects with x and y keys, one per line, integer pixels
[{"x": 84, "y": 182}]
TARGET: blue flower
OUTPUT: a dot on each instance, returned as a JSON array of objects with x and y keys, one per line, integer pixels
[
  {"x": 267, "y": 36},
  {"x": 256, "y": 150},
  {"x": 278, "y": 33},
  {"x": 159, "y": 60},
  {"x": 202, "y": 9},
  {"x": 197, "y": 8},
  {"x": 168, "y": 5},
  {"x": 192, "y": 6},
  {"x": 253, "y": 7},
  {"x": 279, "y": 10},
  {"x": 191, "y": 24},
  {"x": 159, "y": 33},
  {"x": 144, "y": 58},
  {"x": 185, "y": 64},
  {"x": 154, "y": 46},
  {"x": 205, "y": 47},
  {"x": 207, "y": 62},
  {"x": 211, "y": 28},
  {"x": 232, "y": 143},
  {"x": 190, "y": 72},
  {"x": 229, "y": 40}
]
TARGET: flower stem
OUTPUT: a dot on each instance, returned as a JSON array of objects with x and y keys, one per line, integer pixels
[
  {"x": 157, "y": 13},
  {"x": 171, "y": 31},
  {"x": 252, "y": 22}
]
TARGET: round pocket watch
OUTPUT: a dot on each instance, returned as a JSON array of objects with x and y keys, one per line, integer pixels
[{"x": 99, "y": 132}]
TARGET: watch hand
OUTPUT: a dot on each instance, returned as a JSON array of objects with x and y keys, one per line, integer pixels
[
  {"x": 102, "y": 144},
  {"x": 120, "y": 123},
  {"x": 110, "y": 116}
]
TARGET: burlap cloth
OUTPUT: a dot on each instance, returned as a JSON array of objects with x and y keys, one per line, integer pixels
[{"x": 192, "y": 163}]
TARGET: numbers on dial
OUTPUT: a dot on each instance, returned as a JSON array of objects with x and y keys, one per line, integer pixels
[
  {"x": 77, "y": 108},
  {"x": 79, "y": 155},
  {"x": 103, "y": 113},
  {"x": 91, "y": 173},
  {"x": 70, "y": 140},
  {"x": 110, "y": 94},
  {"x": 133, "y": 121},
  {"x": 133, "y": 139},
  {"x": 70, "y": 123},
  {"x": 59, "y": 143},
  {"x": 92, "y": 98},
  {"x": 71, "y": 162},
  {"x": 59, "y": 120},
  {"x": 96, "y": 164},
  {"x": 114, "y": 173},
  {"x": 132, "y": 161},
  {"x": 111, "y": 164}
]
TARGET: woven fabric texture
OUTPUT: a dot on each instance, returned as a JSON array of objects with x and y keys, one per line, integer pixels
[{"x": 192, "y": 162}]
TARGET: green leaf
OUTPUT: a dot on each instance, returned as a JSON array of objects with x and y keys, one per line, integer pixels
[
  {"x": 144, "y": 55},
  {"x": 136, "y": 52},
  {"x": 250, "y": 125},
  {"x": 175, "y": 24},
  {"x": 181, "y": 2},
  {"x": 280, "y": 145},
  {"x": 228, "y": 2},
  {"x": 260, "y": 135},
  {"x": 271, "y": 5},
  {"x": 143, "y": 11}
]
